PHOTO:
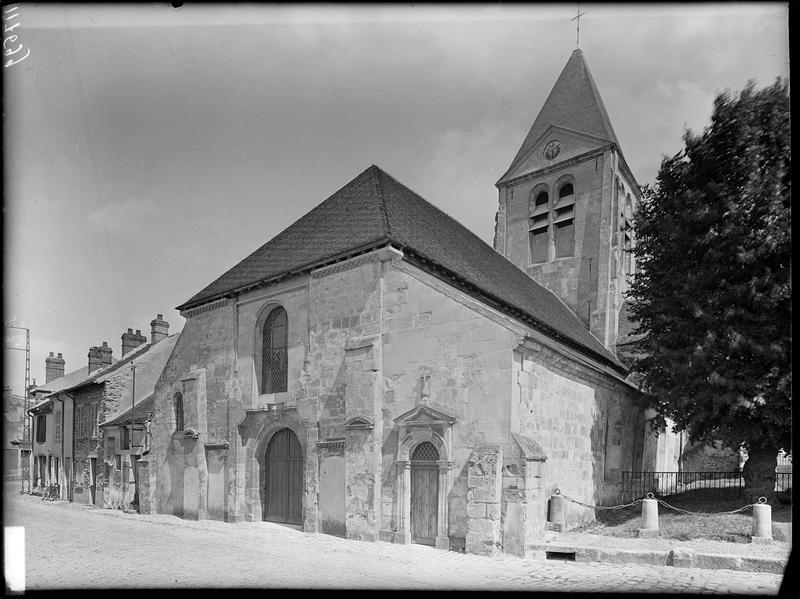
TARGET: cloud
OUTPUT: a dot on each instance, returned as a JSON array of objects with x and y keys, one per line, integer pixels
[{"x": 460, "y": 174}]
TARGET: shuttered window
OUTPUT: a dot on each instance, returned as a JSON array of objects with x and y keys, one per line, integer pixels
[
  {"x": 564, "y": 222},
  {"x": 539, "y": 228}
]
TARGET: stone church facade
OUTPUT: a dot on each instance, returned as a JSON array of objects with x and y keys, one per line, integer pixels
[{"x": 377, "y": 372}]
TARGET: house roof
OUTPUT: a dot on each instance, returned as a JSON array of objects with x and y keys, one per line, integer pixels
[
  {"x": 140, "y": 412},
  {"x": 374, "y": 209},
  {"x": 149, "y": 359},
  {"x": 574, "y": 103},
  {"x": 60, "y": 384}
]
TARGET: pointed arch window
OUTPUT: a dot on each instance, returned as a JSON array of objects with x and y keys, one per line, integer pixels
[
  {"x": 564, "y": 221},
  {"x": 627, "y": 232},
  {"x": 273, "y": 352},
  {"x": 539, "y": 226}
]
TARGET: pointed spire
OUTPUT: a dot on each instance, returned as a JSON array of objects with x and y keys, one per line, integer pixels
[{"x": 574, "y": 103}]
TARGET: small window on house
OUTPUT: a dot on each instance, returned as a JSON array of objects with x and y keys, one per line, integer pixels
[
  {"x": 93, "y": 423},
  {"x": 57, "y": 430},
  {"x": 41, "y": 429},
  {"x": 178, "y": 401},
  {"x": 539, "y": 227},
  {"x": 111, "y": 446},
  {"x": 274, "y": 373},
  {"x": 118, "y": 462},
  {"x": 124, "y": 442}
]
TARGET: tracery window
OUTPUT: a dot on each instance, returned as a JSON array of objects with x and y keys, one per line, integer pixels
[{"x": 273, "y": 352}]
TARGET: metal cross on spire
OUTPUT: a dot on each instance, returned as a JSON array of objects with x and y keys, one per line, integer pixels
[{"x": 578, "y": 19}]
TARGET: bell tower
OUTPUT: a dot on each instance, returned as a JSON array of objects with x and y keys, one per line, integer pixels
[{"x": 566, "y": 204}]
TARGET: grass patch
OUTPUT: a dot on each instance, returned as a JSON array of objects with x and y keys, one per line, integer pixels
[{"x": 734, "y": 528}]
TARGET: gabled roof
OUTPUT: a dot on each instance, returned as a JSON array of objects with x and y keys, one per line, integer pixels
[
  {"x": 149, "y": 359},
  {"x": 140, "y": 412},
  {"x": 373, "y": 210},
  {"x": 60, "y": 384},
  {"x": 574, "y": 103}
]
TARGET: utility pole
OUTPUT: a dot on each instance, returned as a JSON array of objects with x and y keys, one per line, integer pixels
[
  {"x": 135, "y": 500},
  {"x": 26, "y": 418}
]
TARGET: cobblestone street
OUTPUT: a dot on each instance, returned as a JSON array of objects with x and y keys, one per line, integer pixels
[{"x": 129, "y": 550}]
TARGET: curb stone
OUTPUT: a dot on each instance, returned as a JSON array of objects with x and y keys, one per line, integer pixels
[{"x": 678, "y": 557}]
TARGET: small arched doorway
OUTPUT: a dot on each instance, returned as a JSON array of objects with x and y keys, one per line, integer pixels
[
  {"x": 283, "y": 493},
  {"x": 424, "y": 493}
]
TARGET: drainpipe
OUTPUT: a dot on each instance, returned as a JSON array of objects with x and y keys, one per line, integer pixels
[{"x": 72, "y": 440}]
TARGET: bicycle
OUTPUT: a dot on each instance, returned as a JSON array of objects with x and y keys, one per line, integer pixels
[{"x": 51, "y": 493}]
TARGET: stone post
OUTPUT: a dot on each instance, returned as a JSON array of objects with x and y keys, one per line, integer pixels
[
  {"x": 649, "y": 518},
  {"x": 558, "y": 513},
  {"x": 484, "y": 494},
  {"x": 762, "y": 524}
]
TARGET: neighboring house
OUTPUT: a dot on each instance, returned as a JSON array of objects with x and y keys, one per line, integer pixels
[
  {"x": 51, "y": 420},
  {"x": 68, "y": 440},
  {"x": 99, "y": 470},
  {"x": 377, "y": 371},
  {"x": 13, "y": 425}
]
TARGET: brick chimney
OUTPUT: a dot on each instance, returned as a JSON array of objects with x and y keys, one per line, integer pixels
[
  {"x": 158, "y": 329},
  {"x": 99, "y": 357},
  {"x": 53, "y": 368},
  {"x": 131, "y": 340}
]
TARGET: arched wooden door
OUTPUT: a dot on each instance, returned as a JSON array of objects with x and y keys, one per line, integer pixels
[
  {"x": 283, "y": 495},
  {"x": 424, "y": 493}
]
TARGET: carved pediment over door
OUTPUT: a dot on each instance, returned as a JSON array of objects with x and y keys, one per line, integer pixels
[{"x": 424, "y": 423}]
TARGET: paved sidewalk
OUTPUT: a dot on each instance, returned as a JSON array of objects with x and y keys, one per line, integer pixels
[{"x": 695, "y": 553}]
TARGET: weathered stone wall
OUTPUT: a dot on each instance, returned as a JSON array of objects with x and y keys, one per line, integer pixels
[
  {"x": 484, "y": 495},
  {"x": 584, "y": 421},
  {"x": 444, "y": 349},
  {"x": 87, "y": 447},
  {"x": 202, "y": 367}
]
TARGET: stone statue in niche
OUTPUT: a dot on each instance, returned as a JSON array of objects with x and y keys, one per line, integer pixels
[{"x": 425, "y": 387}]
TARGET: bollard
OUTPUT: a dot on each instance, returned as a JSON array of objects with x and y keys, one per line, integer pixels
[
  {"x": 557, "y": 517},
  {"x": 762, "y": 523},
  {"x": 649, "y": 517}
]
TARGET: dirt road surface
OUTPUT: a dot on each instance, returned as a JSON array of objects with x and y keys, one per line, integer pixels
[{"x": 71, "y": 546}]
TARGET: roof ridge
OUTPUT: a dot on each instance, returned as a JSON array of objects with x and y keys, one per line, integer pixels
[
  {"x": 376, "y": 174},
  {"x": 439, "y": 210}
]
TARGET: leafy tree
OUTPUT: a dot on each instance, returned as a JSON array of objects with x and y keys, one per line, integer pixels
[{"x": 712, "y": 292}]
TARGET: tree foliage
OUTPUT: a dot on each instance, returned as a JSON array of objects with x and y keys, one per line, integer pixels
[{"x": 712, "y": 292}]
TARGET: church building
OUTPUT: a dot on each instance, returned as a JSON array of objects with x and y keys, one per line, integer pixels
[{"x": 377, "y": 371}]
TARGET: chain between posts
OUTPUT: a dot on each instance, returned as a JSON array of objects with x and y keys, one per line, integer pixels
[{"x": 761, "y": 500}]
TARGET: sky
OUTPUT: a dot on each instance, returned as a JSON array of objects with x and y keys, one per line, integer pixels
[{"x": 148, "y": 149}]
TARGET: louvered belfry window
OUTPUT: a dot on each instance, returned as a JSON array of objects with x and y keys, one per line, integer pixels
[
  {"x": 273, "y": 358},
  {"x": 425, "y": 452}
]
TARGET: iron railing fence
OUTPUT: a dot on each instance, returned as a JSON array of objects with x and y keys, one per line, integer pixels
[{"x": 719, "y": 484}]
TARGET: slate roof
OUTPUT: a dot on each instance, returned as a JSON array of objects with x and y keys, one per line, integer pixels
[
  {"x": 149, "y": 359},
  {"x": 69, "y": 379},
  {"x": 373, "y": 210},
  {"x": 140, "y": 412},
  {"x": 574, "y": 103}
]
